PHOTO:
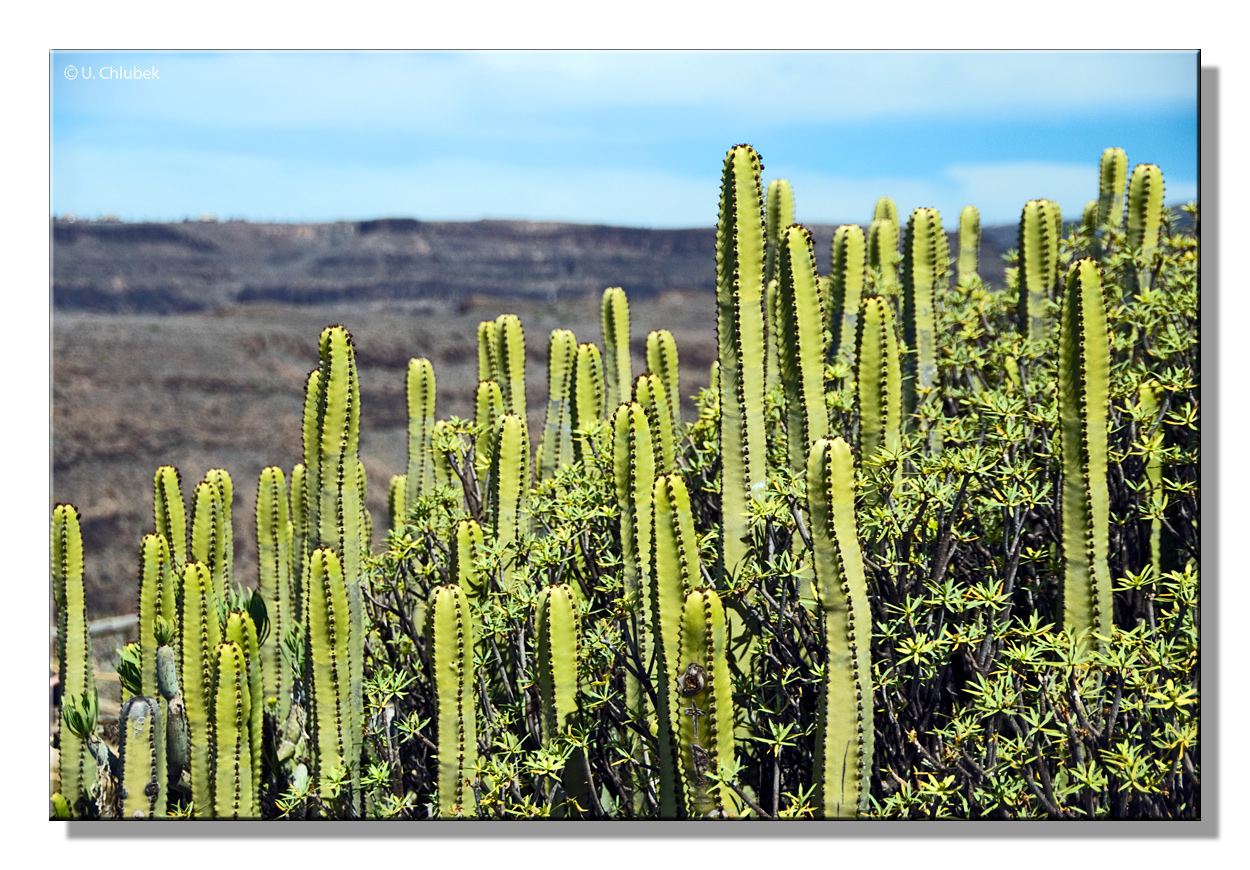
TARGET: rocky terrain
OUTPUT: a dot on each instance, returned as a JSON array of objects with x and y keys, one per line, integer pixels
[{"x": 188, "y": 344}]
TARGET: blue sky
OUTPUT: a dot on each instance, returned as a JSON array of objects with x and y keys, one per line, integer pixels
[{"x": 605, "y": 137}]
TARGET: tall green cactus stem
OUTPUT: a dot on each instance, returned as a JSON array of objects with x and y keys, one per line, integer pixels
[
  {"x": 299, "y": 536},
  {"x": 464, "y": 567},
  {"x": 778, "y": 214},
  {"x": 587, "y": 396},
  {"x": 1144, "y": 216},
  {"x": 556, "y": 628},
  {"x": 454, "y": 687},
  {"x": 220, "y": 478},
  {"x": 883, "y": 250},
  {"x": 141, "y": 747},
  {"x": 169, "y": 510},
  {"x": 232, "y": 744},
  {"x": 879, "y": 384},
  {"x": 419, "y": 478},
  {"x": 510, "y": 363},
  {"x": 1089, "y": 228},
  {"x": 207, "y": 546},
  {"x": 556, "y": 448},
  {"x": 1039, "y": 265},
  {"x": 157, "y": 599},
  {"x": 487, "y": 409},
  {"x": 740, "y": 341},
  {"x": 1084, "y": 390},
  {"x": 336, "y": 510},
  {"x": 73, "y": 650},
  {"x": 844, "y": 743},
  {"x": 847, "y": 257},
  {"x": 444, "y": 473},
  {"x": 662, "y": 362},
  {"x": 800, "y": 350},
  {"x": 241, "y": 630},
  {"x": 273, "y": 549},
  {"x": 969, "y": 244},
  {"x": 653, "y": 398},
  {"x": 926, "y": 267},
  {"x": 618, "y": 371},
  {"x": 704, "y": 716},
  {"x": 487, "y": 350},
  {"x": 201, "y": 632},
  {"x": 676, "y": 571},
  {"x": 885, "y": 209},
  {"x": 395, "y": 499},
  {"x": 509, "y": 480},
  {"x": 327, "y": 667},
  {"x": 1112, "y": 176}
]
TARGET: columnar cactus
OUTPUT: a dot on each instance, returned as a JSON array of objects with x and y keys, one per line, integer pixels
[
  {"x": 846, "y": 284},
  {"x": 662, "y": 362},
  {"x": 740, "y": 340},
  {"x": 73, "y": 651},
  {"x": 1084, "y": 389},
  {"x": 241, "y": 630},
  {"x": 1150, "y": 399},
  {"x": 800, "y": 350},
  {"x": 327, "y": 663},
  {"x": 587, "y": 392},
  {"x": 509, "y": 480},
  {"x": 654, "y": 399},
  {"x": 487, "y": 409},
  {"x": 201, "y": 632},
  {"x": 925, "y": 273},
  {"x": 556, "y": 629},
  {"x": 452, "y": 642},
  {"x": 223, "y": 575},
  {"x": 170, "y": 512},
  {"x": 232, "y": 744},
  {"x": 207, "y": 530},
  {"x": 1144, "y": 215},
  {"x": 510, "y": 363},
  {"x": 1040, "y": 223},
  {"x": 1112, "y": 176},
  {"x": 969, "y": 244},
  {"x": 704, "y": 697},
  {"x": 420, "y": 389},
  {"x": 275, "y": 582},
  {"x": 157, "y": 599},
  {"x": 844, "y": 743},
  {"x": 556, "y": 448},
  {"x": 618, "y": 371},
  {"x": 883, "y": 250},
  {"x": 487, "y": 351},
  {"x": 778, "y": 214},
  {"x": 879, "y": 388},
  {"x": 141, "y": 747}
]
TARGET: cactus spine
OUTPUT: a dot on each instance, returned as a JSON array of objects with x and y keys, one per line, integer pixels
[
  {"x": 1084, "y": 387},
  {"x": 141, "y": 746},
  {"x": 454, "y": 685},
  {"x": 845, "y": 731},
  {"x": 420, "y": 385},
  {"x": 740, "y": 341},
  {"x": 73, "y": 651},
  {"x": 618, "y": 372},
  {"x": 800, "y": 349},
  {"x": 846, "y": 285},
  {"x": 969, "y": 244},
  {"x": 925, "y": 272},
  {"x": 1039, "y": 265}
]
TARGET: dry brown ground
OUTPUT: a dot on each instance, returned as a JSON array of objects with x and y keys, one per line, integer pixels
[{"x": 225, "y": 390}]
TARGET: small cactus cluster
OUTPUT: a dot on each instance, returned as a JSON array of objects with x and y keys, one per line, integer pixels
[{"x": 632, "y": 580}]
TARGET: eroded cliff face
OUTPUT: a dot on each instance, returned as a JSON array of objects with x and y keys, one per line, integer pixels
[{"x": 164, "y": 268}]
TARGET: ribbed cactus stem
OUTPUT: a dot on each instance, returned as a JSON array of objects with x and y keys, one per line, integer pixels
[
  {"x": 969, "y": 244},
  {"x": 1112, "y": 176},
  {"x": 618, "y": 371},
  {"x": 1150, "y": 398},
  {"x": 454, "y": 687},
  {"x": 587, "y": 397},
  {"x": 704, "y": 716},
  {"x": 73, "y": 650},
  {"x": 207, "y": 546},
  {"x": 778, "y": 214},
  {"x": 740, "y": 240},
  {"x": 156, "y": 600},
  {"x": 653, "y": 398},
  {"x": 232, "y": 762},
  {"x": 169, "y": 511},
  {"x": 1143, "y": 216},
  {"x": 1039, "y": 265},
  {"x": 662, "y": 362},
  {"x": 421, "y": 391},
  {"x": 487, "y": 409},
  {"x": 510, "y": 363},
  {"x": 926, "y": 267},
  {"x": 847, "y": 257},
  {"x": 556, "y": 448},
  {"x": 883, "y": 251},
  {"x": 885, "y": 209},
  {"x": 844, "y": 743},
  {"x": 241, "y": 630},
  {"x": 273, "y": 546},
  {"x": 509, "y": 481},
  {"x": 487, "y": 351},
  {"x": 223, "y": 576},
  {"x": 879, "y": 384},
  {"x": 556, "y": 628},
  {"x": 141, "y": 747},
  {"x": 800, "y": 350},
  {"x": 327, "y": 668},
  {"x": 1084, "y": 390},
  {"x": 201, "y": 632}
]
